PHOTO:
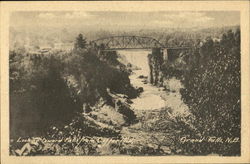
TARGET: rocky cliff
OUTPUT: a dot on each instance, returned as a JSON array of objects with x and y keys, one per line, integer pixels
[
  {"x": 155, "y": 60},
  {"x": 174, "y": 63}
]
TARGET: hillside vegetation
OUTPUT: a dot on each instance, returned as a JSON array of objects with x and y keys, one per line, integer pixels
[
  {"x": 84, "y": 89},
  {"x": 210, "y": 73}
]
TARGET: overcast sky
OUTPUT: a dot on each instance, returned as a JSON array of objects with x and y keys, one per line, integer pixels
[{"x": 109, "y": 20}]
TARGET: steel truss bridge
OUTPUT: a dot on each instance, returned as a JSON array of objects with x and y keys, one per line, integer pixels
[{"x": 130, "y": 42}]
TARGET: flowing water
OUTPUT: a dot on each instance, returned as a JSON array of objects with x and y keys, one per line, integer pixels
[
  {"x": 151, "y": 105},
  {"x": 152, "y": 97}
]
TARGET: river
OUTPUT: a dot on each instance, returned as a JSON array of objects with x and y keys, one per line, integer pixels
[
  {"x": 153, "y": 97},
  {"x": 155, "y": 108}
]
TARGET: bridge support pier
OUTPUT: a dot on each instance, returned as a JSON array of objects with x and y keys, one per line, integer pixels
[
  {"x": 155, "y": 61},
  {"x": 165, "y": 54}
]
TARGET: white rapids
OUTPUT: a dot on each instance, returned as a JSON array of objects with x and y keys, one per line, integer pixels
[{"x": 153, "y": 97}]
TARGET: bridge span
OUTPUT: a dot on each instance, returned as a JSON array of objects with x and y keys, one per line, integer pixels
[
  {"x": 130, "y": 42},
  {"x": 115, "y": 43}
]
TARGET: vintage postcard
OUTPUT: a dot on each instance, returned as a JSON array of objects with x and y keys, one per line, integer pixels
[{"x": 125, "y": 82}]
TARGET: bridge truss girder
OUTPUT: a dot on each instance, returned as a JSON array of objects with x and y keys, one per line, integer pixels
[{"x": 128, "y": 42}]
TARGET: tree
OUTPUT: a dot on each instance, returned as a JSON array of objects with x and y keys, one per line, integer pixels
[
  {"x": 212, "y": 92},
  {"x": 80, "y": 42}
]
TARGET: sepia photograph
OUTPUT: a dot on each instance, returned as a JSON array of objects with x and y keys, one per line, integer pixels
[{"x": 130, "y": 82}]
